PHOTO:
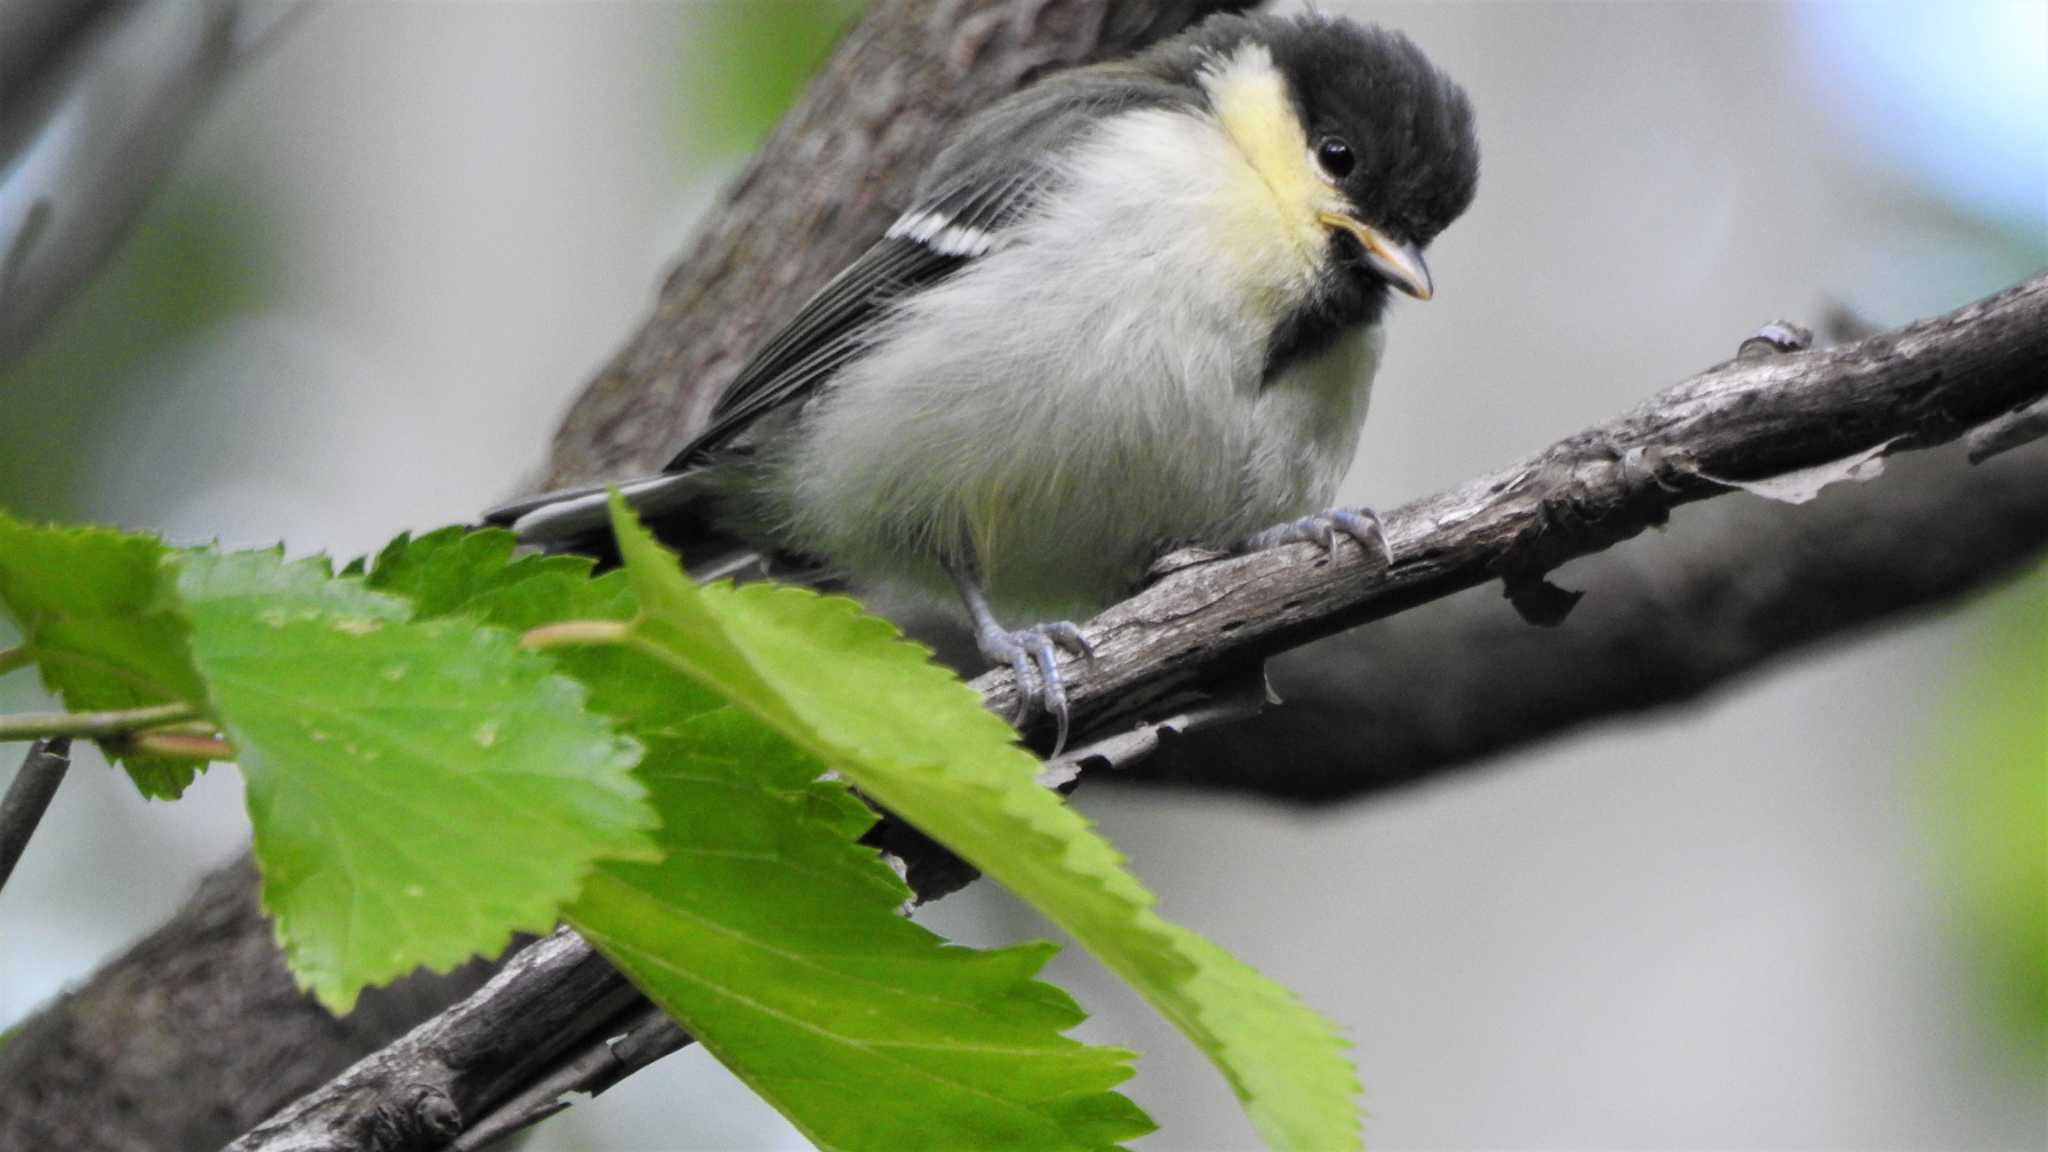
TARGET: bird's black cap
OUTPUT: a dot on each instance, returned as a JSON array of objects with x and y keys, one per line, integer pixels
[
  {"x": 1414, "y": 158},
  {"x": 1409, "y": 125}
]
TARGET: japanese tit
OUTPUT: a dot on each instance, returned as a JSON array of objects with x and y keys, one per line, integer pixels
[{"x": 1134, "y": 305}]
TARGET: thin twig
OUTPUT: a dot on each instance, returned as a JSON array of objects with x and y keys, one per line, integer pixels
[
  {"x": 1228, "y": 702},
  {"x": 646, "y": 1036},
  {"x": 92, "y": 725},
  {"x": 13, "y": 658},
  {"x": 29, "y": 797},
  {"x": 2007, "y": 432}
]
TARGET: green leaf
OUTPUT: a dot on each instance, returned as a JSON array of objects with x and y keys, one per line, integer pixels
[
  {"x": 774, "y": 938},
  {"x": 842, "y": 686},
  {"x": 419, "y": 790},
  {"x": 770, "y": 934},
  {"x": 92, "y": 607},
  {"x": 452, "y": 570}
]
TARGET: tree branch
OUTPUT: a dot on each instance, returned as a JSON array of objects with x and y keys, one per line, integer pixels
[
  {"x": 644, "y": 1037},
  {"x": 416, "y": 1092},
  {"x": 196, "y": 1029},
  {"x": 28, "y": 797},
  {"x": 1751, "y": 418},
  {"x": 1735, "y": 586},
  {"x": 2021, "y": 426},
  {"x": 1744, "y": 420}
]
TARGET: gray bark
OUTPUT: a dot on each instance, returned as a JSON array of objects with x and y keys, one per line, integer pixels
[
  {"x": 190, "y": 1036},
  {"x": 417, "y": 1092},
  {"x": 1735, "y": 586},
  {"x": 28, "y": 797}
]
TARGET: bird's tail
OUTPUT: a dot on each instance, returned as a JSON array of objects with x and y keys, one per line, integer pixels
[
  {"x": 553, "y": 519},
  {"x": 678, "y": 506}
]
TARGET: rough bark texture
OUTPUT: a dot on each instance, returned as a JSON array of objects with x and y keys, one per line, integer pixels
[
  {"x": 1735, "y": 585},
  {"x": 1753, "y": 418},
  {"x": 190, "y": 1036},
  {"x": 417, "y": 1092}
]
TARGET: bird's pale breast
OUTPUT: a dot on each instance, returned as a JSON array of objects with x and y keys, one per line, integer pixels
[{"x": 1088, "y": 390}]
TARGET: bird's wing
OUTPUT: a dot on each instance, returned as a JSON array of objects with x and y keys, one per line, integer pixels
[
  {"x": 922, "y": 247},
  {"x": 830, "y": 328},
  {"x": 1005, "y": 161}
]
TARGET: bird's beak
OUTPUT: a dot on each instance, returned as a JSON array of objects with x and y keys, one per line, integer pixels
[{"x": 1401, "y": 264}]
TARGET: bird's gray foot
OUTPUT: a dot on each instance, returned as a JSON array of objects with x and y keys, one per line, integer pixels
[
  {"x": 1361, "y": 524},
  {"x": 1033, "y": 655}
]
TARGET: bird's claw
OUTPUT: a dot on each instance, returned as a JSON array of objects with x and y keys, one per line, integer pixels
[
  {"x": 1361, "y": 524},
  {"x": 1036, "y": 649}
]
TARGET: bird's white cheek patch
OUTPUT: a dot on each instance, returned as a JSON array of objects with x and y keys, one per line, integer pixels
[{"x": 1249, "y": 96}]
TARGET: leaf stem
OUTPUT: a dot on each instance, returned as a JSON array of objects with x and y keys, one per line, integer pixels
[
  {"x": 92, "y": 725},
  {"x": 13, "y": 658},
  {"x": 576, "y": 634},
  {"x": 29, "y": 797},
  {"x": 178, "y": 746},
  {"x": 186, "y": 728}
]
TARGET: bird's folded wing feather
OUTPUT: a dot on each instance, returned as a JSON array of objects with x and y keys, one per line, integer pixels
[{"x": 1004, "y": 162}]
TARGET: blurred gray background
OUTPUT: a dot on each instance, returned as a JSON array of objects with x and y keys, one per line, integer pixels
[{"x": 404, "y": 234}]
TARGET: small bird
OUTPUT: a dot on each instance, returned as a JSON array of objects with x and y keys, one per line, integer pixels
[{"x": 1133, "y": 306}]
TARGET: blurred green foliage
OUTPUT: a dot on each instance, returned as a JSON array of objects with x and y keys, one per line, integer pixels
[
  {"x": 744, "y": 62},
  {"x": 191, "y": 261},
  {"x": 1991, "y": 801}
]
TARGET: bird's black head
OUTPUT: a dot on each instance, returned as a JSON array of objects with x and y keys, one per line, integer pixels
[
  {"x": 1377, "y": 119},
  {"x": 1393, "y": 131},
  {"x": 1365, "y": 136}
]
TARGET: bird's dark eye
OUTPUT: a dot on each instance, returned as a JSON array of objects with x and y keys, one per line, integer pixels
[{"x": 1336, "y": 157}]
